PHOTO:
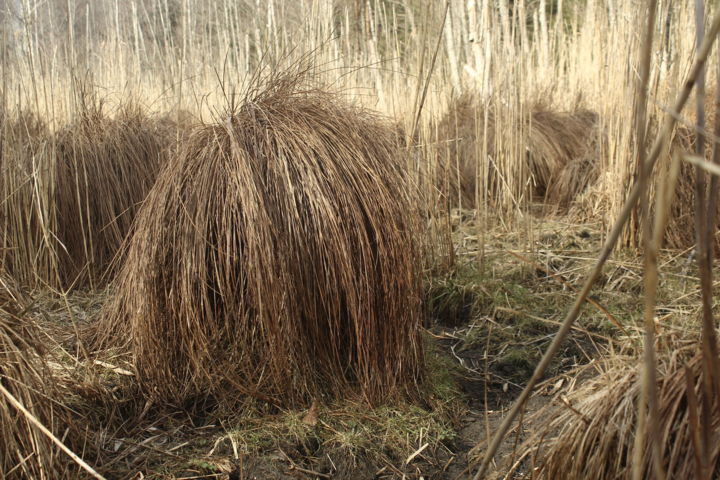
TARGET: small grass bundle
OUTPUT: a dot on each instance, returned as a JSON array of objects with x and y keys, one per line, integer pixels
[
  {"x": 680, "y": 233},
  {"x": 559, "y": 148},
  {"x": 70, "y": 203},
  {"x": 593, "y": 435},
  {"x": 27, "y": 382},
  {"x": 104, "y": 169},
  {"x": 275, "y": 258}
]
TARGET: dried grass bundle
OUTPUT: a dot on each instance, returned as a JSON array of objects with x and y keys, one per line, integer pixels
[
  {"x": 103, "y": 170},
  {"x": 275, "y": 258},
  {"x": 26, "y": 380},
  {"x": 681, "y": 226},
  {"x": 561, "y": 150},
  {"x": 593, "y": 437},
  {"x": 70, "y": 204}
]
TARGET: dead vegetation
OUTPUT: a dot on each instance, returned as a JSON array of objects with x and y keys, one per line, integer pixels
[
  {"x": 276, "y": 259},
  {"x": 591, "y": 433},
  {"x": 69, "y": 201},
  {"x": 39, "y": 431},
  {"x": 275, "y": 267},
  {"x": 560, "y": 149}
]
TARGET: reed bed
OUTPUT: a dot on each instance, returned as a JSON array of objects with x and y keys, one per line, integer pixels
[{"x": 276, "y": 258}]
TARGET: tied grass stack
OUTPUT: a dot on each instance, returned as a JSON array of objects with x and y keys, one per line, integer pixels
[{"x": 275, "y": 259}]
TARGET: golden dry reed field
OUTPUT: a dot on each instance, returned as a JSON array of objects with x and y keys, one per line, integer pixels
[{"x": 349, "y": 239}]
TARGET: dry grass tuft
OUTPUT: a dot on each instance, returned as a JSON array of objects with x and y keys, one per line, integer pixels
[
  {"x": 174, "y": 127},
  {"x": 681, "y": 226},
  {"x": 27, "y": 379},
  {"x": 560, "y": 150},
  {"x": 69, "y": 204},
  {"x": 275, "y": 259},
  {"x": 572, "y": 140},
  {"x": 592, "y": 435}
]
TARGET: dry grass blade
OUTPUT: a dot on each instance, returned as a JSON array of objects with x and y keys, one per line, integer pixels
[{"x": 275, "y": 258}]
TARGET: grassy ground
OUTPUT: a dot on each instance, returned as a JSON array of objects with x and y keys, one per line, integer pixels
[
  {"x": 490, "y": 318},
  {"x": 491, "y": 315}
]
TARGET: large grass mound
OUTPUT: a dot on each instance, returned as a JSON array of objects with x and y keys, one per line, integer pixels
[
  {"x": 276, "y": 259},
  {"x": 477, "y": 142}
]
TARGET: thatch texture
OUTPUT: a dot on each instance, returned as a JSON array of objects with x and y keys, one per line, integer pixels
[
  {"x": 27, "y": 380},
  {"x": 70, "y": 202},
  {"x": 275, "y": 258},
  {"x": 560, "y": 151},
  {"x": 681, "y": 225},
  {"x": 594, "y": 436}
]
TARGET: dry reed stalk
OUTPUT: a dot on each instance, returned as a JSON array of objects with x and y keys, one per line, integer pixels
[
  {"x": 275, "y": 259},
  {"x": 703, "y": 210},
  {"x": 594, "y": 436},
  {"x": 651, "y": 239}
]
